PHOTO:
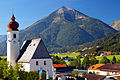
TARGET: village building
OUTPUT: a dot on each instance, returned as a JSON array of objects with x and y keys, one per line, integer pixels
[
  {"x": 68, "y": 59},
  {"x": 107, "y": 53},
  {"x": 93, "y": 77},
  {"x": 94, "y": 68},
  {"x": 109, "y": 70},
  {"x": 33, "y": 53}
]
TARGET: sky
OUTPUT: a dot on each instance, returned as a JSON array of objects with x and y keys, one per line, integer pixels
[{"x": 28, "y": 12}]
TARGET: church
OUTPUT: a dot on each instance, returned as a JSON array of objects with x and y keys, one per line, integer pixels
[{"x": 32, "y": 55}]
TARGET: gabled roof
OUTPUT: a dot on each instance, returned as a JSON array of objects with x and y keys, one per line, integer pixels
[
  {"x": 33, "y": 49},
  {"x": 95, "y": 67},
  {"x": 106, "y": 67},
  {"x": 110, "y": 67},
  {"x": 93, "y": 77}
]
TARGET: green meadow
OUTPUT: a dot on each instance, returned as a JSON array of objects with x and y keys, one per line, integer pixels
[
  {"x": 110, "y": 57},
  {"x": 74, "y": 55}
]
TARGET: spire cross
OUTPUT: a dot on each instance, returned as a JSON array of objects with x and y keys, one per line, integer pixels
[{"x": 13, "y": 18}]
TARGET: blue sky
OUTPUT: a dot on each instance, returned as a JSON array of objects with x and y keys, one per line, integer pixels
[{"x": 29, "y": 11}]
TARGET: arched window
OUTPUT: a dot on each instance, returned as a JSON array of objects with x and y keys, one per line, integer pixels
[
  {"x": 37, "y": 63},
  {"x": 44, "y": 62},
  {"x": 14, "y": 35}
]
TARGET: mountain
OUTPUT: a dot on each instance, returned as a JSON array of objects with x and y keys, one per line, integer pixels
[
  {"x": 116, "y": 25},
  {"x": 66, "y": 27},
  {"x": 2, "y": 38},
  {"x": 109, "y": 43}
]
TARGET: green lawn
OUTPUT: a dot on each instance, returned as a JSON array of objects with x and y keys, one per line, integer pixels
[
  {"x": 110, "y": 57},
  {"x": 67, "y": 54}
]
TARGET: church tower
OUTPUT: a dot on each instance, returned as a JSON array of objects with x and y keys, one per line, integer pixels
[{"x": 13, "y": 48}]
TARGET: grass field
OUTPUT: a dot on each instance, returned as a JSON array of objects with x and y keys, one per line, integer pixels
[
  {"x": 110, "y": 57},
  {"x": 67, "y": 54}
]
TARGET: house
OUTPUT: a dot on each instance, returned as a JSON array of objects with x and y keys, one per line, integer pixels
[
  {"x": 94, "y": 68},
  {"x": 33, "y": 53},
  {"x": 61, "y": 77},
  {"x": 93, "y": 77},
  {"x": 107, "y": 53},
  {"x": 62, "y": 68},
  {"x": 86, "y": 48},
  {"x": 58, "y": 69},
  {"x": 96, "y": 77},
  {"x": 109, "y": 70},
  {"x": 91, "y": 47},
  {"x": 68, "y": 59}
]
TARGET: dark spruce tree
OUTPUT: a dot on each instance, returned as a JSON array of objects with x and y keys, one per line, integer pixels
[{"x": 114, "y": 60}]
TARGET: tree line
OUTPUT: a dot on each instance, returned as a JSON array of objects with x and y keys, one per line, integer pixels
[
  {"x": 88, "y": 61},
  {"x": 8, "y": 72}
]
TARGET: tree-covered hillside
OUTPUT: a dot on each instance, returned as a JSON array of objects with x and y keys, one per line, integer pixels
[{"x": 109, "y": 43}]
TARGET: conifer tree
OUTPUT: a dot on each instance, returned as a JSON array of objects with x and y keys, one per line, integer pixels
[{"x": 114, "y": 60}]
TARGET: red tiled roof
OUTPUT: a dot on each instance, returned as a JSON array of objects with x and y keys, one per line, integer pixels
[
  {"x": 59, "y": 65},
  {"x": 95, "y": 67},
  {"x": 108, "y": 53}
]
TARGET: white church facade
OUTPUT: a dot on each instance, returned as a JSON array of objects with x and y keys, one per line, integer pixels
[{"x": 32, "y": 55}]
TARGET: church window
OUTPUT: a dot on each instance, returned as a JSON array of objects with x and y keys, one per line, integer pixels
[
  {"x": 33, "y": 44},
  {"x": 14, "y": 35},
  {"x": 44, "y": 62},
  {"x": 36, "y": 62}
]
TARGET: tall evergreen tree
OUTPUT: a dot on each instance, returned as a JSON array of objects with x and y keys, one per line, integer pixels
[
  {"x": 76, "y": 62},
  {"x": 93, "y": 61},
  {"x": 86, "y": 62},
  {"x": 114, "y": 60}
]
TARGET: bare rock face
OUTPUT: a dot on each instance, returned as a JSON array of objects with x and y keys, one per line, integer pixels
[
  {"x": 70, "y": 14},
  {"x": 116, "y": 25}
]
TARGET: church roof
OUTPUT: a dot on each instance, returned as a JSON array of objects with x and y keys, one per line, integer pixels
[{"x": 33, "y": 49}]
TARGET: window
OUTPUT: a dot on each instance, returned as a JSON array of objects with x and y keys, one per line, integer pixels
[
  {"x": 14, "y": 35},
  {"x": 44, "y": 62},
  {"x": 37, "y": 63}
]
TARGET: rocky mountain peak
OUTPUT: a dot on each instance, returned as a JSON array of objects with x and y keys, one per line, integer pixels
[
  {"x": 116, "y": 25},
  {"x": 71, "y": 14},
  {"x": 67, "y": 9}
]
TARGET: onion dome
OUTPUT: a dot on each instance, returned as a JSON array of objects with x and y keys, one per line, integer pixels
[{"x": 13, "y": 25}]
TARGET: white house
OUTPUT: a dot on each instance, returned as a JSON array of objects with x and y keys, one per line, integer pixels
[
  {"x": 105, "y": 69},
  {"x": 33, "y": 53}
]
